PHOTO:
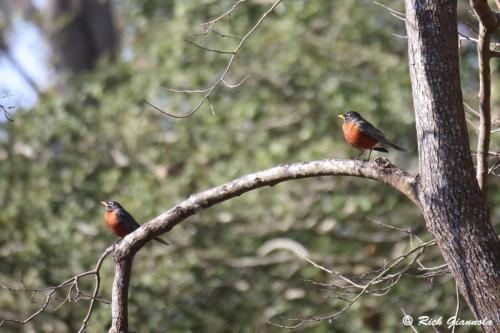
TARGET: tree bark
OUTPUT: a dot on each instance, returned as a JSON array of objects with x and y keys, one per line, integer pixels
[
  {"x": 449, "y": 195},
  {"x": 119, "y": 297}
]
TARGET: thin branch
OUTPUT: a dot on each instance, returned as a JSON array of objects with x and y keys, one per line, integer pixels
[
  {"x": 471, "y": 110},
  {"x": 395, "y": 13},
  {"x": 405, "y": 231},
  {"x": 472, "y": 124},
  {"x": 462, "y": 36},
  {"x": 484, "y": 14},
  {"x": 458, "y": 305},
  {"x": 6, "y": 112},
  {"x": 382, "y": 275},
  {"x": 206, "y": 48},
  {"x": 208, "y": 91},
  {"x": 491, "y": 153},
  {"x": 237, "y": 84},
  {"x": 223, "y": 35},
  {"x": 494, "y": 166},
  {"x": 6, "y": 109},
  {"x": 487, "y": 25},
  {"x": 72, "y": 284},
  {"x": 97, "y": 285},
  {"x": 410, "y": 323},
  {"x": 207, "y": 26}
]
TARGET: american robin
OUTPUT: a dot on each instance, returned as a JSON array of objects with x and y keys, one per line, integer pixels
[
  {"x": 120, "y": 222},
  {"x": 362, "y": 135}
]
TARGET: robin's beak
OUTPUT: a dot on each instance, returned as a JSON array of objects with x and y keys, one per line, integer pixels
[
  {"x": 341, "y": 116},
  {"x": 104, "y": 203}
]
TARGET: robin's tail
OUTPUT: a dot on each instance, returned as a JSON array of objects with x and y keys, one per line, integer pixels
[
  {"x": 386, "y": 143},
  {"x": 161, "y": 241}
]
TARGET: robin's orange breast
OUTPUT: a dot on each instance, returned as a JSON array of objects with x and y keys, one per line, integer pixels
[
  {"x": 113, "y": 223},
  {"x": 355, "y": 137}
]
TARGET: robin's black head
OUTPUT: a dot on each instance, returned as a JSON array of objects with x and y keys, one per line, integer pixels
[
  {"x": 350, "y": 116},
  {"x": 111, "y": 205}
]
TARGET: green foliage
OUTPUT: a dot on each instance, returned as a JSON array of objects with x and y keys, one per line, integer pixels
[{"x": 308, "y": 62}]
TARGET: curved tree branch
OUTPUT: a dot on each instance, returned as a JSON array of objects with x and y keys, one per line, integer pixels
[{"x": 381, "y": 170}]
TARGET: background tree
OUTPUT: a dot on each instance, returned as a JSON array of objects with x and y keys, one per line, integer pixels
[{"x": 81, "y": 32}]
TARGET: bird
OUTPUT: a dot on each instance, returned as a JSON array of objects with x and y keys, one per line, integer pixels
[
  {"x": 120, "y": 222},
  {"x": 363, "y": 136}
]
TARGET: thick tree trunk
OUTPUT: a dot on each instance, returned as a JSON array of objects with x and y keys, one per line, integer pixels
[{"x": 449, "y": 195}]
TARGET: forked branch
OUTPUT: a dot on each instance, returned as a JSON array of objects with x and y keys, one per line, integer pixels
[
  {"x": 74, "y": 294},
  {"x": 381, "y": 170}
]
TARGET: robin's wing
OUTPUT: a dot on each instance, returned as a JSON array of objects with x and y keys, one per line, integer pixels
[
  {"x": 131, "y": 224},
  {"x": 366, "y": 128},
  {"x": 127, "y": 220}
]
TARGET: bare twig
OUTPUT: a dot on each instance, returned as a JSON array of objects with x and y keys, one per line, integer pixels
[
  {"x": 208, "y": 26},
  {"x": 6, "y": 109},
  {"x": 6, "y": 113},
  {"x": 471, "y": 110},
  {"x": 472, "y": 124},
  {"x": 410, "y": 324},
  {"x": 395, "y": 13},
  {"x": 221, "y": 79},
  {"x": 458, "y": 305},
  {"x": 223, "y": 35},
  {"x": 491, "y": 153},
  {"x": 494, "y": 166},
  {"x": 97, "y": 285},
  {"x": 462, "y": 36},
  {"x": 206, "y": 48},
  {"x": 382, "y": 275},
  {"x": 487, "y": 25},
  {"x": 73, "y": 294}
]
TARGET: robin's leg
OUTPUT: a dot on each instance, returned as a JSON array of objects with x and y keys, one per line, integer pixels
[
  {"x": 361, "y": 153},
  {"x": 369, "y": 154}
]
